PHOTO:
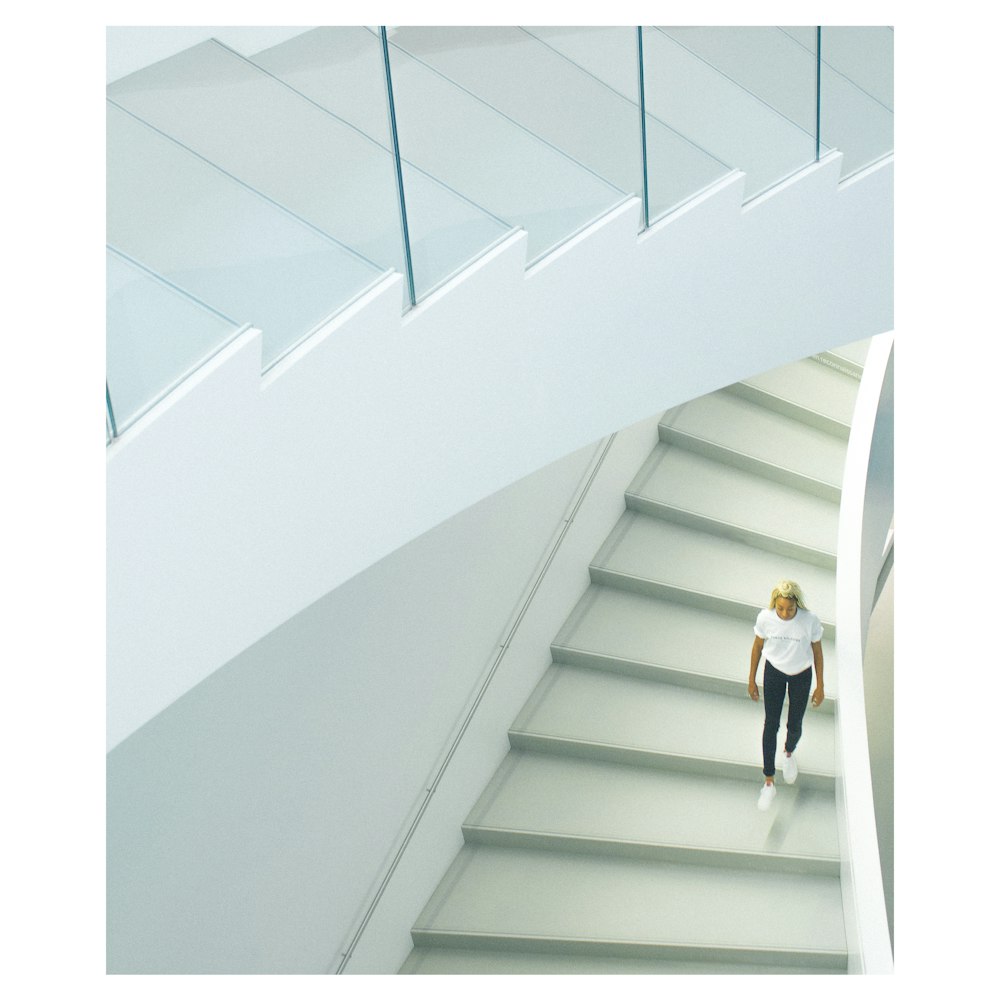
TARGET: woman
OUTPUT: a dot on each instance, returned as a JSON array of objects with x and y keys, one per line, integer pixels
[{"x": 788, "y": 635}]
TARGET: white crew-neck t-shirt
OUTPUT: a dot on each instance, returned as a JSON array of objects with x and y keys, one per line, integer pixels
[{"x": 788, "y": 644}]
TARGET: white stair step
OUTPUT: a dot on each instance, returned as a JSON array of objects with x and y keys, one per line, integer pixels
[
  {"x": 807, "y": 391},
  {"x": 503, "y": 962},
  {"x": 849, "y": 359},
  {"x": 657, "y": 557},
  {"x": 721, "y": 425},
  {"x": 593, "y": 713},
  {"x": 649, "y": 637},
  {"x": 548, "y": 899},
  {"x": 700, "y": 492},
  {"x": 595, "y": 806}
]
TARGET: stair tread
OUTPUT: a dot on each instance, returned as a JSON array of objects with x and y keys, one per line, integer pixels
[
  {"x": 551, "y": 894},
  {"x": 569, "y": 796},
  {"x": 728, "y": 421},
  {"x": 856, "y": 351},
  {"x": 691, "y": 482},
  {"x": 811, "y": 385},
  {"x": 484, "y": 961},
  {"x": 652, "y": 549},
  {"x": 595, "y": 706},
  {"x": 650, "y": 630}
]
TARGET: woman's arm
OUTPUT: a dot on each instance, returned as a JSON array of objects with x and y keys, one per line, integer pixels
[
  {"x": 758, "y": 645},
  {"x": 817, "y": 648}
]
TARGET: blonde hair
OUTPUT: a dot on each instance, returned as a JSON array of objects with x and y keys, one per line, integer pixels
[{"x": 789, "y": 589}]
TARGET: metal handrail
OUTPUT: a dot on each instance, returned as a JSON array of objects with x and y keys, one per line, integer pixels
[{"x": 348, "y": 952}]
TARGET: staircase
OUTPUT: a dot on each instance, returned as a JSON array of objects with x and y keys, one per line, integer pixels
[{"x": 621, "y": 833}]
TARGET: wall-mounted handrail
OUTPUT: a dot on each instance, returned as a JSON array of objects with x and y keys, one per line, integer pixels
[{"x": 589, "y": 476}]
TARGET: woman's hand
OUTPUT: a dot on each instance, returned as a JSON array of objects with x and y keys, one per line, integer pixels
[
  {"x": 752, "y": 690},
  {"x": 818, "y": 696}
]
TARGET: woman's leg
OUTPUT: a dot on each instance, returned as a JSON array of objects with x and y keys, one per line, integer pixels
[
  {"x": 774, "y": 699},
  {"x": 799, "y": 686}
]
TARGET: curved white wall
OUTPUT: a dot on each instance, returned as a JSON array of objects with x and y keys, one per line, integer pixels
[
  {"x": 250, "y": 825},
  {"x": 866, "y": 512},
  {"x": 239, "y": 501}
]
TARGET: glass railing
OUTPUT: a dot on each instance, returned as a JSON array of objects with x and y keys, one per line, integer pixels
[
  {"x": 342, "y": 70},
  {"x": 456, "y": 135},
  {"x": 222, "y": 242},
  {"x": 276, "y": 190},
  {"x": 856, "y": 94},
  {"x": 524, "y": 76},
  {"x": 157, "y": 334},
  {"x": 742, "y": 96}
]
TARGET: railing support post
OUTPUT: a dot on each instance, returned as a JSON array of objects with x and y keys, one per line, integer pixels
[
  {"x": 819, "y": 72},
  {"x": 112, "y": 424},
  {"x": 407, "y": 256},
  {"x": 642, "y": 129}
]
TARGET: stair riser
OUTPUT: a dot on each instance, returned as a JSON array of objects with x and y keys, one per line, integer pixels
[
  {"x": 471, "y": 961},
  {"x": 665, "y": 591},
  {"x": 752, "y": 394},
  {"x": 832, "y": 961},
  {"x": 768, "y": 543},
  {"x": 744, "y": 860},
  {"x": 826, "y": 491},
  {"x": 647, "y": 671},
  {"x": 539, "y": 743},
  {"x": 668, "y": 675}
]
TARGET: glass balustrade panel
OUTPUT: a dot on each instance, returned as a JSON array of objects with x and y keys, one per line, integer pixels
[
  {"x": 156, "y": 335},
  {"x": 342, "y": 71},
  {"x": 856, "y": 94},
  {"x": 533, "y": 77},
  {"x": 743, "y": 98},
  {"x": 454, "y": 131},
  {"x": 259, "y": 130},
  {"x": 773, "y": 65},
  {"x": 678, "y": 167},
  {"x": 222, "y": 242}
]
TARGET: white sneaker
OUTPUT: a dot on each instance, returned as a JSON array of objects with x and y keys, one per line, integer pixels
[
  {"x": 767, "y": 794},
  {"x": 789, "y": 769}
]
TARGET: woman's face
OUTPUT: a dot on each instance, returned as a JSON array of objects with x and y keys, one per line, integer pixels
[{"x": 786, "y": 608}]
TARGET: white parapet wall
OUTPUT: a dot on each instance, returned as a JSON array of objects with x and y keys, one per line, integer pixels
[{"x": 238, "y": 501}]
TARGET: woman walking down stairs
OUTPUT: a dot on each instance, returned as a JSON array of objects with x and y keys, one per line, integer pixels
[{"x": 621, "y": 833}]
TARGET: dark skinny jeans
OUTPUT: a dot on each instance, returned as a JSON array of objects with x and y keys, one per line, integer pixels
[{"x": 775, "y": 684}]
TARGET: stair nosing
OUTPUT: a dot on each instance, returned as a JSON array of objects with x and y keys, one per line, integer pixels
[
  {"x": 731, "y": 605},
  {"x": 647, "y": 670},
  {"x": 816, "y": 419},
  {"x": 810, "y": 484},
  {"x": 547, "y": 743},
  {"x": 839, "y": 363},
  {"x": 728, "y": 529},
  {"x": 620, "y": 947},
  {"x": 722, "y": 857}
]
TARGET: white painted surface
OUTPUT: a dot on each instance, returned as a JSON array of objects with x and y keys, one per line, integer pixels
[
  {"x": 879, "y": 705},
  {"x": 240, "y": 501},
  {"x": 866, "y": 512},
  {"x": 386, "y": 941},
  {"x": 250, "y": 823}
]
